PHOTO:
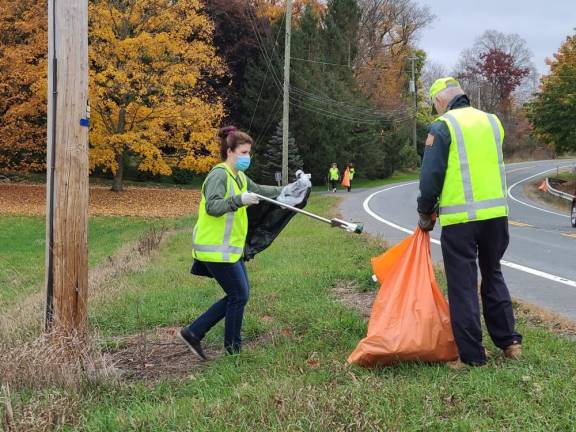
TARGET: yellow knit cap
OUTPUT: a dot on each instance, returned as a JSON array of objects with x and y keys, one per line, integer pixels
[{"x": 441, "y": 84}]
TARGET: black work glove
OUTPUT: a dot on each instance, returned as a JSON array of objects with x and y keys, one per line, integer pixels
[{"x": 427, "y": 222}]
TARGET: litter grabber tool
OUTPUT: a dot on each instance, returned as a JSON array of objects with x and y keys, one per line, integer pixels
[{"x": 335, "y": 223}]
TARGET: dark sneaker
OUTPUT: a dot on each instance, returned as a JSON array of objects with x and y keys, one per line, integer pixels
[
  {"x": 459, "y": 364},
  {"x": 193, "y": 343}
]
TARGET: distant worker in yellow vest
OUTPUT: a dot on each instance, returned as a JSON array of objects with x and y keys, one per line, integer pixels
[
  {"x": 333, "y": 176},
  {"x": 351, "y": 172},
  {"x": 463, "y": 183},
  {"x": 219, "y": 236}
]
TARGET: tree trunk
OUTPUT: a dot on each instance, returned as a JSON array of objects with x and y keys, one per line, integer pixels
[{"x": 117, "y": 186}]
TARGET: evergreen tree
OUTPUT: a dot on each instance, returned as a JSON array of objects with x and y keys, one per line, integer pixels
[
  {"x": 331, "y": 119},
  {"x": 270, "y": 160},
  {"x": 326, "y": 125},
  {"x": 261, "y": 98}
]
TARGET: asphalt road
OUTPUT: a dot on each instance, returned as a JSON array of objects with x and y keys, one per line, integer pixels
[{"x": 540, "y": 263}]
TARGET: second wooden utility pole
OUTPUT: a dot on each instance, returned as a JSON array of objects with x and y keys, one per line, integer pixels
[
  {"x": 415, "y": 93},
  {"x": 67, "y": 179},
  {"x": 286, "y": 111}
]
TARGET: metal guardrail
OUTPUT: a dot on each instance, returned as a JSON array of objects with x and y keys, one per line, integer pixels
[{"x": 558, "y": 193}]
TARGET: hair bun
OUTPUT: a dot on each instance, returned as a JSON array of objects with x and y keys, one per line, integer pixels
[{"x": 225, "y": 131}]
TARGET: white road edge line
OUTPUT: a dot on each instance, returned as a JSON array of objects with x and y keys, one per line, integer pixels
[
  {"x": 530, "y": 205},
  {"x": 509, "y": 264}
]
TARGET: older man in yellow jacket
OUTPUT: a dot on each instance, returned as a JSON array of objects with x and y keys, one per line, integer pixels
[{"x": 463, "y": 183}]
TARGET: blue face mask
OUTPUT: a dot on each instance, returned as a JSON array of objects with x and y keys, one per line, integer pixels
[{"x": 243, "y": 163}]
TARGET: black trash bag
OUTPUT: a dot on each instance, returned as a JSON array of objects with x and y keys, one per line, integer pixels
[
  {"x": 200, "y": 269},
  {"x": 265, "y": 222}
]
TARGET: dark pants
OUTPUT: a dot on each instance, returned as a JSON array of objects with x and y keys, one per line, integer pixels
[
  {"x": 462, "y": 244},
  {"x": 333, "y": 184},
  {"x": 234, "y": 281},
  {"x": 350, "y": 187}
]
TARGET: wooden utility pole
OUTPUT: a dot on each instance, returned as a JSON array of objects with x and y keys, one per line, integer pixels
[
  {"x": 479, "y": 106},
  {"x": 415, "y": 93},
  {"x": 67, "y": 167},
  {"x": 286, "y": 113}
]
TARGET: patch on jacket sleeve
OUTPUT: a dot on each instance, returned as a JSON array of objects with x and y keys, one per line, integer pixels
[{"x": 429, "y": 140}]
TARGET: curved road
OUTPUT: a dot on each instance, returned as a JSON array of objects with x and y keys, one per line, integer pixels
[{"x": 540, "y": 263}]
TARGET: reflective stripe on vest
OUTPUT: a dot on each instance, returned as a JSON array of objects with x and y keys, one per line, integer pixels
[
  {"x": 470, "y": 207},
  {"x": 224, "y": 251},
  {"x": 498, "y": 140}
]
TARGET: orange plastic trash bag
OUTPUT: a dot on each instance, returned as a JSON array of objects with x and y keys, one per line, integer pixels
[
  {"x": 410, "y": 319},
  {"x": 346, "y": 178}
]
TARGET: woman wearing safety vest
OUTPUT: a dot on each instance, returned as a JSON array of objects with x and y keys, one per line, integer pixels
[{"x": 219, "y": 236}]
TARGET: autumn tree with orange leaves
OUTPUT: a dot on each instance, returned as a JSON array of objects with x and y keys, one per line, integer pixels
[
  {"x": 387, "y": 37},
  {"x": 152, "y": 63},
  {"x": 23, "y": 84},
  {"x": 553, "y": 111}
]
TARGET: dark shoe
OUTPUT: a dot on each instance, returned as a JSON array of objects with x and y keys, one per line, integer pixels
[
  {"x": 193, "y": 343},
  {"x": 232, "y": 350},
  {"x": 459, "y": 364},
  {"x": 514, "y": 351}
]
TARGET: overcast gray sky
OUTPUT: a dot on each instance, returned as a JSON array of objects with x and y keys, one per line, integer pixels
[{"x": 544, "y": 24}]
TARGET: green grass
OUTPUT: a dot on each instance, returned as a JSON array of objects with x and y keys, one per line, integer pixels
[
  {"x": 366, "y": 183},
  {"x": 275, "y": 385},
  {"x": 569, "y": 176},
  {"x": 22, "y": 249}
]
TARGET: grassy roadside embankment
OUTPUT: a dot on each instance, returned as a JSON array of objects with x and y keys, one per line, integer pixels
[
  {"x": 293, "y": 373},
  {"x": 23, "y": 242},
  {"x": 532, "y": 191}
]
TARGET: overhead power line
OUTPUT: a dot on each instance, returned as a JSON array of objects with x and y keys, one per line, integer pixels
[{"x": 367, "y": 115}]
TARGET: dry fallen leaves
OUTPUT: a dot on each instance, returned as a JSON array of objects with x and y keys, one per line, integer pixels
[
  {"x": 314, "y": 363},
  {"x": 30, "y": 199}
]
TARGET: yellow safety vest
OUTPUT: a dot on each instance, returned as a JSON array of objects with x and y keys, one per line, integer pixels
[
  {"x": 222, "y": 238},
  {"x": 334, "y": 174},
  {"x": 351, "y": 173},
  {"x": 475, "y": 183}
]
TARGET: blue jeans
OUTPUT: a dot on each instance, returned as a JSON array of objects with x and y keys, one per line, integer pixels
[{"x": 233, "y": 279}]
